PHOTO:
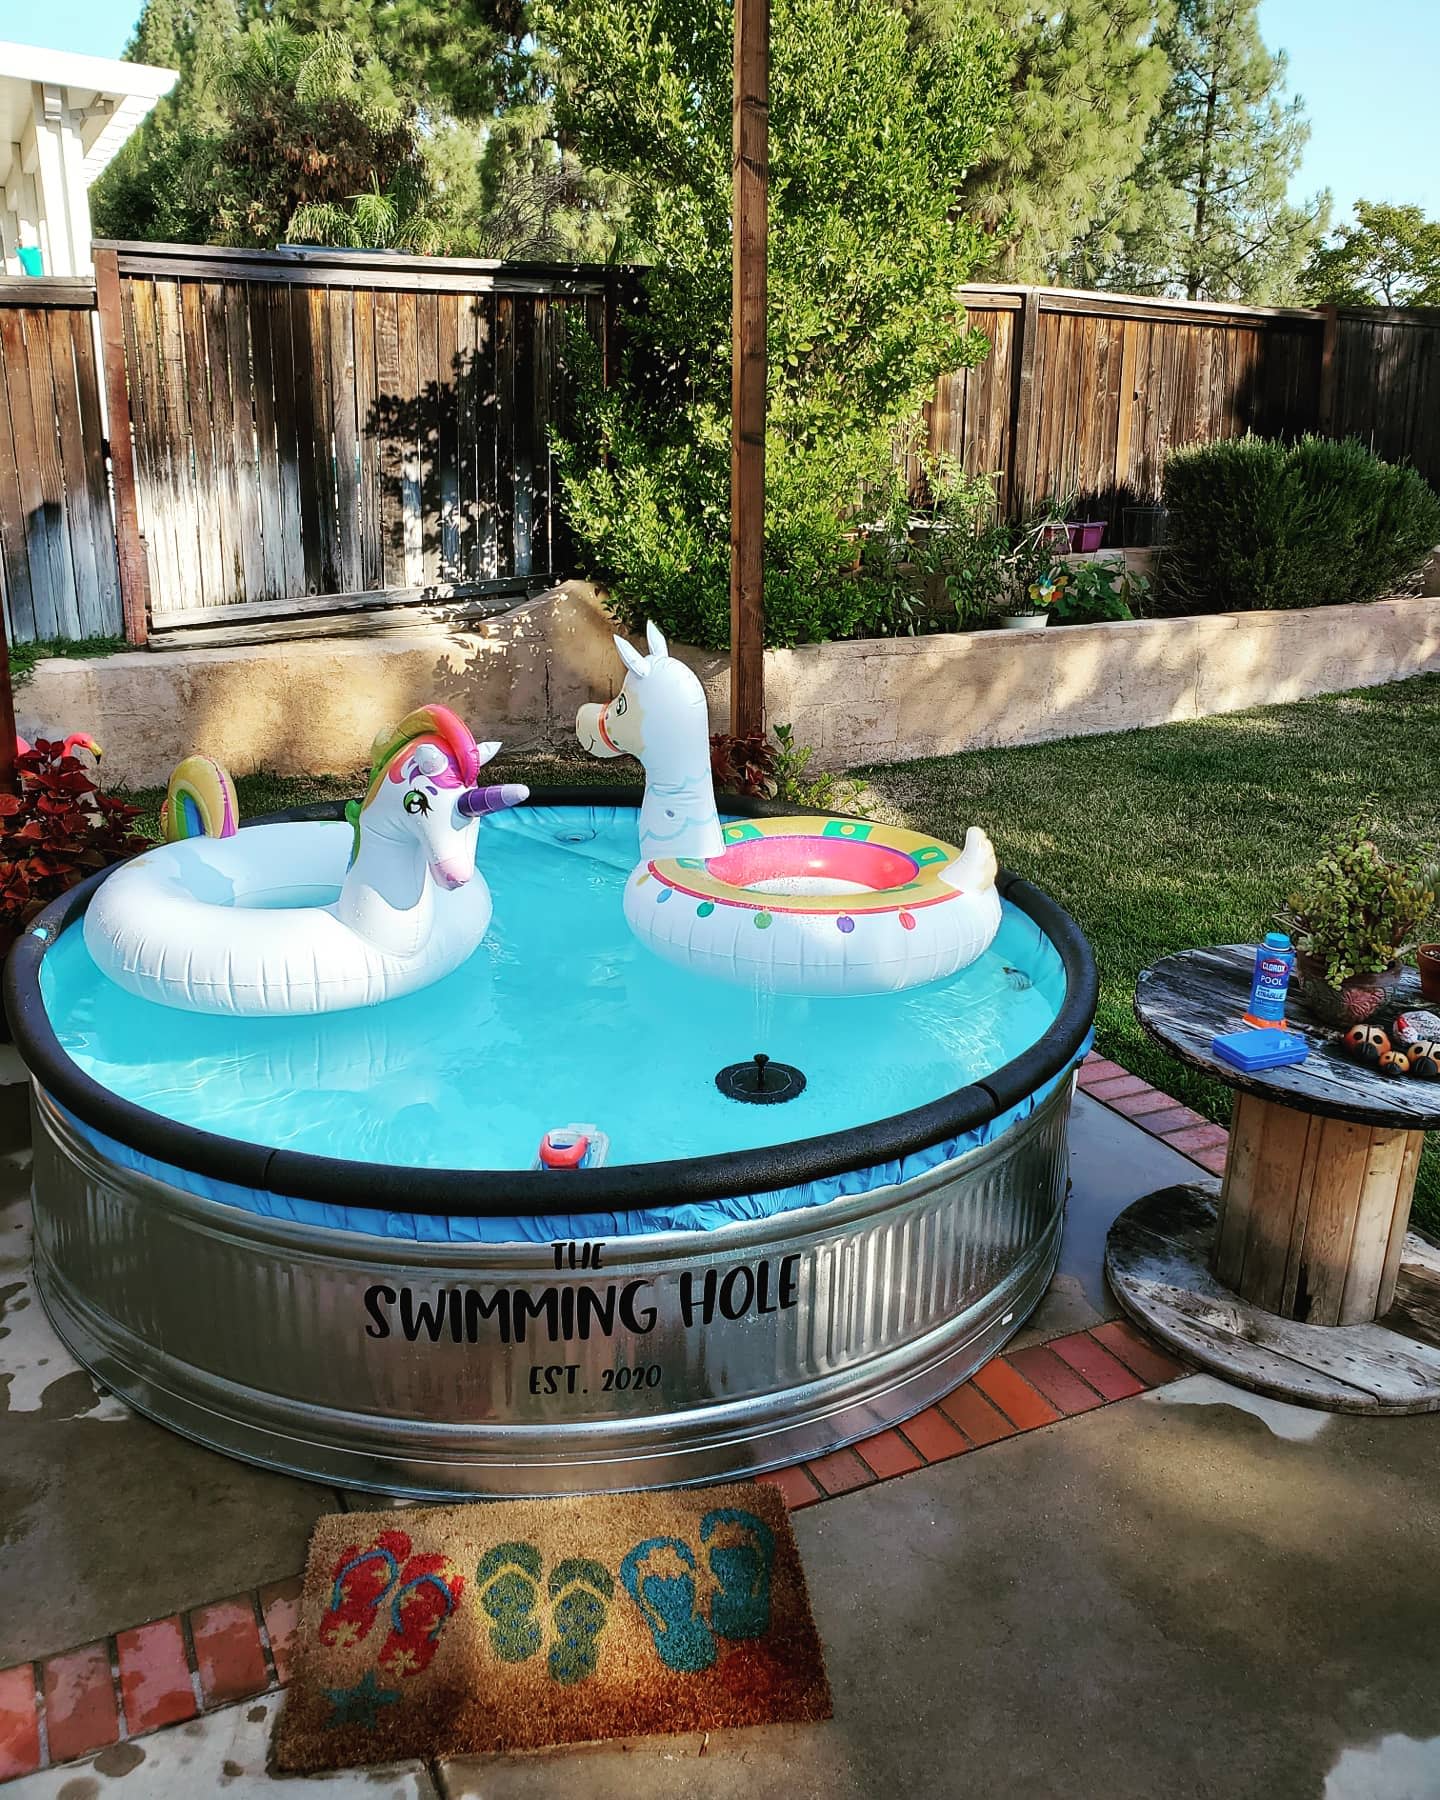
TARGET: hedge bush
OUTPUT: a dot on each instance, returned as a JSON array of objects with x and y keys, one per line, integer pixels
[{"x": 1254, "y": 523}]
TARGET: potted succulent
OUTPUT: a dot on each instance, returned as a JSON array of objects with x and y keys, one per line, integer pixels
[{"x": 1352, "y": 919}]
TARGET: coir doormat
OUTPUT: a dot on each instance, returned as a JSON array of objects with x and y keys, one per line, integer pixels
[{"x": 464, "y": 1629}]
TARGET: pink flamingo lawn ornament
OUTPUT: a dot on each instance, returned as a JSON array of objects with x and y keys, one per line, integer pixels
[{"x": 77, "y": 740}]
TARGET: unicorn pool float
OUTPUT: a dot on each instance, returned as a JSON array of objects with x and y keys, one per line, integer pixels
[
  {"x": 314, "y": 916},
  {"x": 805, "y": 905}
]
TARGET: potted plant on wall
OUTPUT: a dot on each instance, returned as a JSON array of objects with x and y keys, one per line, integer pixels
[{"x": 1352, "y": 919}]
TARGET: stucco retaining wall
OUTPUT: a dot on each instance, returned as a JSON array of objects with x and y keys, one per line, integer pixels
[{"x": 313, "y": 706}]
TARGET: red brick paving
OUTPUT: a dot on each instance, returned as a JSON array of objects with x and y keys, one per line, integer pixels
[
  {"x": 80, "y": 1710},
  {"x": 1172, "y": 1118},
  {"x": 968, "y": 1408},
  {"x": 1099, "y": 1070},
  {"x": 934, "y": 1436},
  {"x": 1137, "y": 1353},
  {"x": 1105, "y": 1373},
  {"x": 1133, "y": 1106},
  {"x": 227, "y": 1650},
  {"x": 1015, "y": 1398},
  {"x": 797, "y": 1487},
  {"x": 1056, "y": 1380},
  {"x": 280, "y": 1604},
  {"x": 19, "y": 1722},
  {"x": 888, "y": 1454},
  {"x": 1118, "y": 1087},
  {"x": 155, "y": 1683},
  {"x": 840, "y": 1472}
]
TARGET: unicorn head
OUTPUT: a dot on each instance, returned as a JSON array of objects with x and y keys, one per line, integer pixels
[
  {"x": 422, "y": 794},
  {"x": 661, "y": 718}
]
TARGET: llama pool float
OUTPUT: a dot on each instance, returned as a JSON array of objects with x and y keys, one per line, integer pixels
[
  {"x": 308, "y": 917},
  {"x": 804, "y": 905}
]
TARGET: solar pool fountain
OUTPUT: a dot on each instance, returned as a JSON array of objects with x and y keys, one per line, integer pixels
[{"x": 521, "y": 1227}]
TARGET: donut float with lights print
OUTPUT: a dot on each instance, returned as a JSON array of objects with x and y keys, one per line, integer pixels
[{"x": 800, "y": 905}]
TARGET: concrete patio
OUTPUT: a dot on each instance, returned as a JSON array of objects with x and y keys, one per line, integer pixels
[{"x": 1187, "y": 1591}]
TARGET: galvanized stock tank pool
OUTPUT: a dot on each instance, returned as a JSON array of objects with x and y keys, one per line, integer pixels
[{"x": 320, "y": 1244}]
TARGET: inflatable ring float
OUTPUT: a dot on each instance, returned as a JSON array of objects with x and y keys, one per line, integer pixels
[
  {"x": 308, "y": 917},
  {"x": 821, "y": 906}
]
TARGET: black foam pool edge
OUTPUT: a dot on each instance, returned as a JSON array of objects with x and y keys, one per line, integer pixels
[{"x": 630, "y": 1187}]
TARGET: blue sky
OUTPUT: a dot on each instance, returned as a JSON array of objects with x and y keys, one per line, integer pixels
[{"x": 1367, "y": 74}]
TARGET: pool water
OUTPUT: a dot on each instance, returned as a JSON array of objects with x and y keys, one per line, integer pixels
[{"x": 560, "y": 1018}]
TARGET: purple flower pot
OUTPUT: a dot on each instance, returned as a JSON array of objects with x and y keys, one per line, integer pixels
[{"x": 1087, "y": 536}]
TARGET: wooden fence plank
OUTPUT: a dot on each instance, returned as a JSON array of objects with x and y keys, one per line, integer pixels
[
  {"x": 83, "y": 609},
  {"x": 244, "y": 447},
  {"x": 283, "y": 366},
  {"x": 14, "y": 540},
  {"x": 340, "y": 330},
  {"x": 447, "y": 475},
  {"x": 372, "y": 557},
  {"x": 388, "y": 399},
  {"x": 61, "y": 613}
]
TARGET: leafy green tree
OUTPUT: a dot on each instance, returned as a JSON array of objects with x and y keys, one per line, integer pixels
[
  {"x": 1083, "y": 82},
  {"x": 455, "y": 57},
  {"x": 872, "y": 134},
  {"x": 304, "y": 139},
  {"x": 1205, "y": 214},
  {"x": 1390, "y": 256}
]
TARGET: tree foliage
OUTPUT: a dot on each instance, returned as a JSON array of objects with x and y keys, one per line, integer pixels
[
  {"x": 1205, "y": 214},
  {"x": 300, "y": 137},
  {"x": 872, "y": 133},
  {"x": 1082, "y": 84},
  {"x": 1389, "y": 256}
]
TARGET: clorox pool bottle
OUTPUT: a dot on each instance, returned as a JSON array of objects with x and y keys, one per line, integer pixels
[{"x": 1274, "y": 961}]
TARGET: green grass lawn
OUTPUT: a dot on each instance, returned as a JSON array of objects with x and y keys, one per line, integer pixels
[
  {"x": 1190, "y": 834},
  {"x": 1155, "y": 840}
]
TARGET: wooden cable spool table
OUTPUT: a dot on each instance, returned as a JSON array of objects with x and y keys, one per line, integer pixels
[{"x": 1281, "y": 1283}]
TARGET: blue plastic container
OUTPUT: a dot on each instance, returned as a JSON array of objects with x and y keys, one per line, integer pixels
[{"x": 1274, "y": 961}]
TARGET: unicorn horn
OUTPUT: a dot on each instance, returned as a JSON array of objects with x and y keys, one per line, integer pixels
[{"x": 474, "y": 803}]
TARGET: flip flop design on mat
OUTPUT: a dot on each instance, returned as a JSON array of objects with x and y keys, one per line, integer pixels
[
  {"x": 360, "y": 1581},
  {"x": 508, "y": 1583},
  {"x": 666, "y": 1598},
  {"x": 581, "y": 1591},
  {"x": 741, "y": 1562},
  {"x": 429, "y": 1591}
]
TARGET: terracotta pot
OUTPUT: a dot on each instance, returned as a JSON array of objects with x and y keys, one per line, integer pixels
[
  {"x": 1358, "y": 997},
  {"x": 1428, "y": 958}
]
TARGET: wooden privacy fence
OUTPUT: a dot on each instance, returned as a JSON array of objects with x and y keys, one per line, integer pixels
[
  {"x": 302, "y": 432},
  {"x": 1084, "y": 394},
  {"x": 57, "y": 545},
  {"x": 323, "y": 427}
]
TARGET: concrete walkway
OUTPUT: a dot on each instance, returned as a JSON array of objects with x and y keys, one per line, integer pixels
[{"x": 1190, "y": 1593}]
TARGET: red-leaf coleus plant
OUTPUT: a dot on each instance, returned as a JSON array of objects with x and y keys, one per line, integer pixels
[
  {"x": 57, "y": 830},
  {"x": 743, "y": 765}
]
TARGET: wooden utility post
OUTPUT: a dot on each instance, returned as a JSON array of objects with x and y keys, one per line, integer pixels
[{"x": 748, "y": 189}]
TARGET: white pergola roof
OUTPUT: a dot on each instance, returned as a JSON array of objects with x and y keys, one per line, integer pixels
[{"x": 109, "y": 98}]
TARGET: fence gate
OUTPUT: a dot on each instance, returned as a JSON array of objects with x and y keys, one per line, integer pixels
[
  {"x": 323, "y": 427},
  {"x": 58, "y": 572}
]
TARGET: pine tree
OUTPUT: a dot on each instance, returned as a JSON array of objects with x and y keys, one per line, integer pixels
[
  {"x": 1084, "y": 82},
  {"x": 1205, "y": 213}
]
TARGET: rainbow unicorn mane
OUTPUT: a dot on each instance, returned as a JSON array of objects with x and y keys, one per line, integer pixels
[{"x": 433, "y": 724}]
